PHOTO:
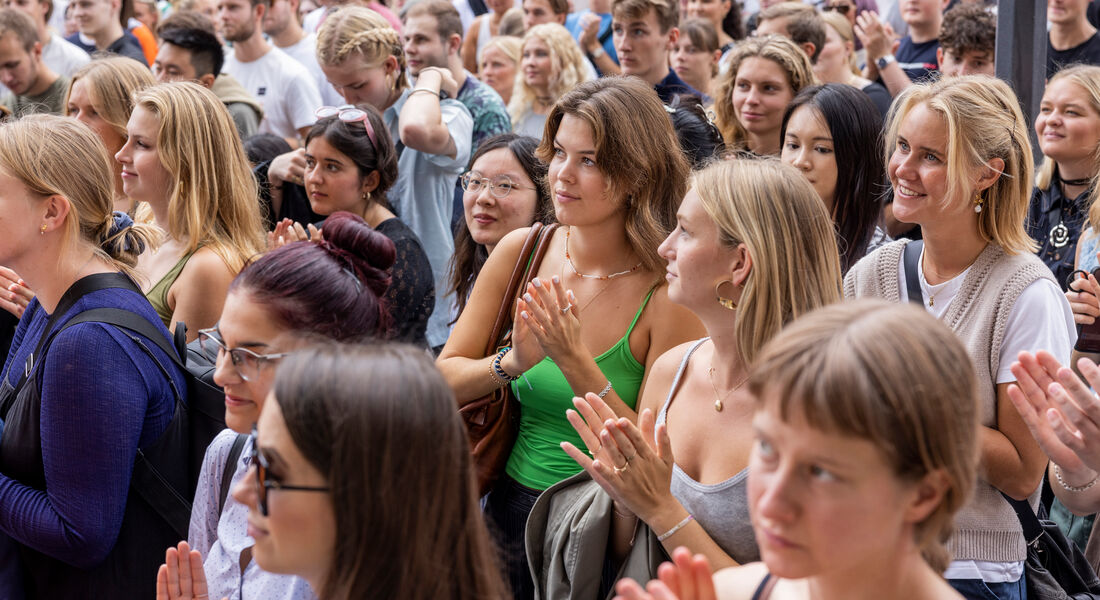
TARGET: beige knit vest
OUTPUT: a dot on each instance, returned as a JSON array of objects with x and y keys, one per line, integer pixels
[{"x": 986, "y": 528}]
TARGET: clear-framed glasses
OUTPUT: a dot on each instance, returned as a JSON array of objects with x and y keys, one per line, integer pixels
[
  {"x": 246, "y": 362},
  {"x": 263, "y": 484},
  {"x": 349, "y": 114},
  {"x": 499, "y": 186}
]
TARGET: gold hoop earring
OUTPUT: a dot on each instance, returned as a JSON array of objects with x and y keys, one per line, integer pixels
[{"x": 725, "y": 302}]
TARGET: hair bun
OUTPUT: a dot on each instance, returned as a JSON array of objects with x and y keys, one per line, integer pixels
[{"x": 370, "y": 253}]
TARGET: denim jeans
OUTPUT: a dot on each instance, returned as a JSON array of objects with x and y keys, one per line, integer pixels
[
  {"x": 506, "y": 509},
  {"x": 976, "y": 589}
]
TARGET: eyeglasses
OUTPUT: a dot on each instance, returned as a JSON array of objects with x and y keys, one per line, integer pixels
[
  {"x": 499, "y": 187},
  {"x": 263, "y": 484},
  {"x": 840, "y": 8},
  {"x": 349, "y": 114},
  {"x": 246, "y": 362}
]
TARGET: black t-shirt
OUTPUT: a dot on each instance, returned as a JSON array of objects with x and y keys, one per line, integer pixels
[
  {"x": 880, "y": 96},
  {"x": 1087, "y": 53},
  {"x": 918, "y": 60}
]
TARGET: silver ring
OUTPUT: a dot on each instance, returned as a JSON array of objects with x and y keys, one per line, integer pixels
[{"x": 567, "y": 308}]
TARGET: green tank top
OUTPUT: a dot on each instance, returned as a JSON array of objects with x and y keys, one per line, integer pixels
[
  {"x": 158, "y": 294},
  {"x": 537, "y": 460}
]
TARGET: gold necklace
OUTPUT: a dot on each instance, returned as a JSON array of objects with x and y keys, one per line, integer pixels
[
  {"x": 718, "y": 398},
  {"x": 569, "y": 259},
  {"x": 931, "y": 294}
]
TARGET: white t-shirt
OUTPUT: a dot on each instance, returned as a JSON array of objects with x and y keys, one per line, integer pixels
[
  {"x": 305, "y": 52},
  {"x": 285, "y": 89},
  {"x": 312, "y": 21},
  {"x": 1041, "y": 319},
  {"x": 63, "y": 57}
]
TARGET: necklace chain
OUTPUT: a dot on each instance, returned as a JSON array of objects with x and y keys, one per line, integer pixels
[
  {"x": 569, "y": 259},
  {"x": 931, "y": 294},
  {"x": 718, "y": 398}
]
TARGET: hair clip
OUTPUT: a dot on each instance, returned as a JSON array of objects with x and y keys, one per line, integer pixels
[{"x": 669, "y": 109}]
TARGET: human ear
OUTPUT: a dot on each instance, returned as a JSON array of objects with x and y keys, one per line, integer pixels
[
  {"x": 991, "y": 173},
  {"x": 207, "y": 81},
  {"x": 371, "y": 181},
  {"x": 56, "y": 209},
  {"x": 742, "y": 265},
  {"x": 926, "y": 496}
]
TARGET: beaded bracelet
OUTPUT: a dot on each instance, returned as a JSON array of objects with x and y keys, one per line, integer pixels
[
  {"x": 664, "y": 536},
  {"x": 1070, "y": 488},
  {"x": 497, "y": 373}
]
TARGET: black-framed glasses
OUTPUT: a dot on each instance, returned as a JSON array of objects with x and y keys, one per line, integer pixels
[
  {"x": 246, "y": 362},
  {"x": 499, "y": 186},
  {"x": 263, "y": 484},
  {"x": 840, "y": 8}
]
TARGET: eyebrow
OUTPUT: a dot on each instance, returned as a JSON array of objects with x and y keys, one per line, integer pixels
[
  {"x": 272, "y": 456},
  {"x": 820, "y": 138},
  {"x": 592, "y": 152},
  {"x": 924, "y": 148}
]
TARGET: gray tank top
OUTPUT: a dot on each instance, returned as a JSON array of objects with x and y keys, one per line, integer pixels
[{"x": 722, "y": 509}]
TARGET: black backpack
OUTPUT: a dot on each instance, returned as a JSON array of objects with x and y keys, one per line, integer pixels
[{"x": 195, "y": 424}]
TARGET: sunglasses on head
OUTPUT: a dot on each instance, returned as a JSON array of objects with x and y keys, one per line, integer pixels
[
  {"x": 263, "y": 484},
  {"x": 840, "y": 8}
]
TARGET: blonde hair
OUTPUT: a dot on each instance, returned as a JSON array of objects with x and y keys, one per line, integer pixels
[
  {"x": 1087, "y": 77},
  {"x": 213, "y": 200},
  {"x": 54, "y": 155},
  {"x": 568, "y": 67},
  {"x": 511, "y": 46},
  {"x": 983, "y": 121},
  {"x": 779, "y": 50},
  {"x": 637, "y": 152},
  {"x": 843, "y": 28},
  {"x": 890, "y": 374},
  {"x": 351, "y": 29},
  {"x": 789, "y": 234},
  {"x": 112, "y": 82}
]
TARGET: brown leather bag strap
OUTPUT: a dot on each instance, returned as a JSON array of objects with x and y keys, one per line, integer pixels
[{"x": 530, "y": 256}]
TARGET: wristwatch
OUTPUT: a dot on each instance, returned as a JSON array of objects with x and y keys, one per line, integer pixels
[{"x": 886, "y": 61}]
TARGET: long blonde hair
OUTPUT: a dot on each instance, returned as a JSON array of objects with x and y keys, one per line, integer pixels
[
  {"x": 54, "y": 155},
  {"x": 637, "y": 152},
  {"x": 112, "y": 82},
  {"x": 1087, "y": 77},
  {"x": 568, "y": 70},
  {"x": 789, "y": 235},
  {"x": 213, "y": 200},
  {"x": 351, "y": 29},
  {"x": 843, "y": 28},
  {"x": 984, "y": 122},
  {"x": 779, "y": 50},
  {"x": 890, "y": 374}
]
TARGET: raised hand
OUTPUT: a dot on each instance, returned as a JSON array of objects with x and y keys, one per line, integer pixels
[
  {"x": 686, "y": 578},
  {"x": 181, "y": 576},
  {"x": 17, "y": 295},
  {"x": 1084, "y": 299}
]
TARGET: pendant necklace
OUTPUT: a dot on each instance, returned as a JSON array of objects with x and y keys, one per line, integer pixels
[{"x": 719, "y": 399}]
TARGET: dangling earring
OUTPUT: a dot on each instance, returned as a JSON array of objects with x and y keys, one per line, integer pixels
[
  {"x": 978, "y": 202},
  {"x": 725, "y": 302},
  {"x": 366, "y": 196},
  {"x": 42, "y": 231}
]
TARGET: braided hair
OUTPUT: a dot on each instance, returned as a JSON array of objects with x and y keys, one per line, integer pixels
[{"x": 357, "y": 29}]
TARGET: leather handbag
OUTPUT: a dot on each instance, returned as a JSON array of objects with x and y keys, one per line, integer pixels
[{"x": 492, "y": 421}]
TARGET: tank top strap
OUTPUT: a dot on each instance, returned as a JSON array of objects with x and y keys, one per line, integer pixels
[
  {"x": 662, "y": 415},
  {"x": 638, "y": 314},
  {"x": 764, "y": 590}
]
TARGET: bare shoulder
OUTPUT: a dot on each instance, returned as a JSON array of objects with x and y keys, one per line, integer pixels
[
  {"x": 669, "y": 323},
  {"x": 206, "y": 263},
  {"x": 659, "y": 376},
  {"x": 740, "y": 583}
]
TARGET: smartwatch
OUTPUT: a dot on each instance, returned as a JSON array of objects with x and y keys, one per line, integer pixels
[{"x": 886, "y": 61}]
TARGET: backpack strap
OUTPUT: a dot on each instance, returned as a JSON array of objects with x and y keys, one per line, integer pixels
[
  {"x": 912, "y": 264},
  {"x": 230, "y": 469},
  {"x": 150, "y": 484}
]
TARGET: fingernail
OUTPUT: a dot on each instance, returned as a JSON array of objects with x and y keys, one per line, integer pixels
[
  {"x": 528, "y": 298},
  {"x": 535, "y": 282},
  {"x": 523, "y": 315},
  {"x": 556, "y": 280}
]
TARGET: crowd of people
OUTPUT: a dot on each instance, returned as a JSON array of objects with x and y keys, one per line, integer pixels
[{"x": 778, "y": 292}]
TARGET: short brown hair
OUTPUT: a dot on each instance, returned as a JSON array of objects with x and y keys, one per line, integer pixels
[
  {"x": 783, "y": 9},
  {"x": 968, "y": 28},
  {"x": 807, "y": 27},
  {"x": 667, "y": 11},
  {"x": 889, "y": 374},
  {"x": 19, "y": 23},
  {"x": 447, "y": 21}
]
